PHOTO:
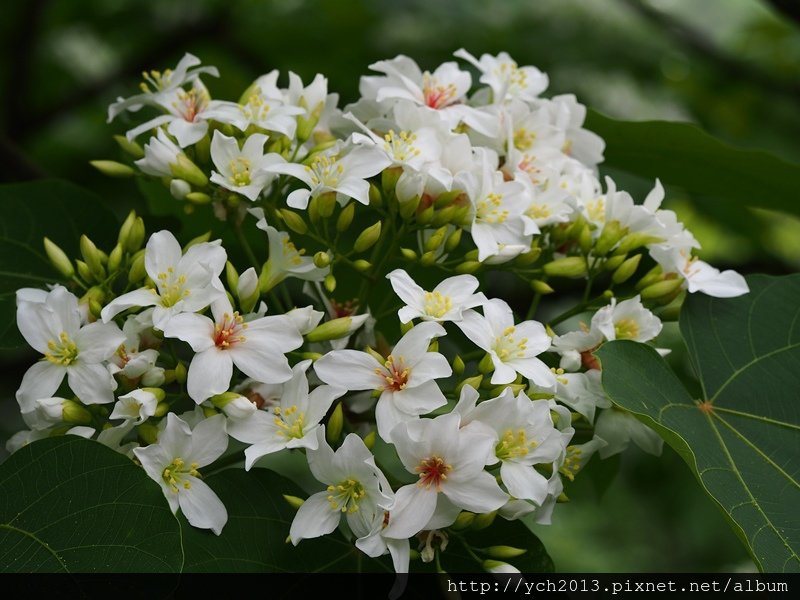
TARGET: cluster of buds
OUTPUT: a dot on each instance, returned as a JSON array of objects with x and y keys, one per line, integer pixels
[{"x": 415, "y": 192}]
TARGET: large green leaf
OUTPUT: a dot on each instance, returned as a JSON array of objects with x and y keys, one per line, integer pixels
[
  {"x": 742, "y": 437},
  {"x": 73, "y": 505},
  {"x": 682, "y": 154},
  {"x": 29, "y": 212},
  {"x": 254, "y": 538}
]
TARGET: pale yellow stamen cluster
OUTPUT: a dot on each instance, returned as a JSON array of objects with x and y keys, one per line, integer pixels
[
  {"x": 437, "y": 305},
  {"x": 401, "y": 145},
  {"x": 517, "y": 77},
  {"x": 256, "y": 108},
  {"x": 539, "y": 211},
  {"x": 489, "y": 209},
  {"x": 559, "y": 373},
  {"x": 514, "y": 444},
  {"x": 240, "y": 171},
  {"x": 397, "y": 377},
  {"x": 171, "y": 287},
  {"x": 290, "y": 421},
  {"x": 596, "y": 209},
  {"x": 63, "y": 352},
  {"x": 346, "y": 495},
  {"x": 191, "y": 103},
  {"x": 626, "y": 329},
  {"x": 156, "y": 79},
  {"x": 325, "y": 170},
  {"x": 507, "y": 347},
  {"x": 524, "y": 139},
  {"x": 572, "y": 463},
  {"x": 172, "y": 474},
  {"x": 291, "y": 253}
]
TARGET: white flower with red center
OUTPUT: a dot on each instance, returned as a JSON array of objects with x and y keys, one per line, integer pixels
[
  {"x": 245, "y": 171},
  {"x": 506, "y": 79},
  {"x": 699, "y": 276},
  {"x": 524, "y": 436},
  {"x": 292, "y": 423},
  {"x": 183, "y": 282},
  {"x": 340, "y": 171},
  {"x": 174, "y": 461},
  {"x": 158, "y": 86},
  {"x": 449, "y": 462},
  {"x": 256, "y": 347},
  {"x": 405, "y": 380},
  {"x": 513, "y": 348},
  {"x": 445, "y": 303},
  {"x": 53, "y": 328}
]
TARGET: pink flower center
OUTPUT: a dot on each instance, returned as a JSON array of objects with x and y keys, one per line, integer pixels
[
  {"x": 432, "y": 472},
  {"x": 228, "y": 332}
]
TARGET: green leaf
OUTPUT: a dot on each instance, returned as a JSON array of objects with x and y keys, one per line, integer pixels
[
  {"x": 29, "y": 212},
  {"x": 742, "y": 437},
  {"x": 73, "y": 505},
  {"x": 254, "y": 538},
  {"x": 682, "y": 154}
]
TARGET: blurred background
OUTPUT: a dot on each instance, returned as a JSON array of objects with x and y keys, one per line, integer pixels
[{"x": 730, "y": 66}]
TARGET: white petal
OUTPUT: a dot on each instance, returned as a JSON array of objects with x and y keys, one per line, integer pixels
[
  {"x": 140, "y": 297},
  {"x": 478, "y": 493},
  {"x": 209, "y": 374},
  {"x": 194, "y": 329},
  {"x": 92, "y": 384},
  {"x": 523, "y": 481},
  {"x": 388, "y": 416},
  {"x": 314, "y": 518},
  {"x": 261, "y": 361},
  {"x": 413, "y": 508},
  {"x": 40, "y": 381},
  {"x": 202, "y": 507},
  {"x": 98, "y": 341},
  {"x": 209, "y": 440},
  {"x": 348, "y": 369},
  {"x": 162, "y": 252}
]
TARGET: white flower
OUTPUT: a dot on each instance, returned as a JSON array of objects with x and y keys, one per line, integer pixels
[
  {"x": 357, "y": 490},
  {"x": 449, "y": 461},
  {"x": 174, "y": 461},
  {"x": 285, "y": 260},
  {"x": 506, "y": 79},
  {"x": 162, "y": 158},
  {"x": 136, "y": 406},
  {"x": 582, "y": 392},
  {"x": 158, "y": 86},
  {"x": 260, "y": 110},
  {"x": 291, "y": 424},
  {"x": 524, "y": 436},
  {"x": 445, "y": 303},
  {"x": 618, "y": 428},
  {"x": 344, "y": 174},
  {"x": 628, "y": 320},
  {"x": 132, "y": 362},
  {"x": 405, "y": 379},
  {"x": 53, "y": 328},
  {"x": 242, "y": 171},
  {"x": 699, "y": 276},
  {"x": 513, "y": 348},
  {"x": 256, "y": 347},
  {"x": 184, "y": 283}
]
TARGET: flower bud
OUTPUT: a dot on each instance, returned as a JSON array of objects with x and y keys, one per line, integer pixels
[
  {"x": 293, "y": 221},
  {"x": 661, "y": 289},
  {"x": 58, "y": 258},
  {"x": 433, "y": 346},
  {"x": 541, "y": 287},
  {"x": 436, "y": 239},
  {"x": 198, "y": 198},
  {"x": 129, "y": 147},
  {"x": 362, "y": 265},
  {"x": 179, "y": 189},
  {"x": 611, "y": 234},
  {"x": 335, "y": 328},
  {"x": 569, "y": 266},
  {"x": 185, "y": 169},
  {"x": 497, "y": 566},
  {"x": 615, "y": 261},
  {"x": 389, "y": 179},
  {"x": 424, "y": 217},
  {"x": 409, "y": 206},
  {"x": 162, "y": 408},
  {"x": 486, "y": 365},
  {"x": 180, "y": 373},
  {"x": 483, "y": 521},
  {"x": 200, "y": 239},
  {"x": 368, "y": 237},
  {"x": 231, "y": 276},
  {"x": 652, "y": 276},
  {"x": 95, "y": 308},
  {"x": 474, "y": 382},
  {"x": 408, "y": 253},
  {"x": 234, "y": 405},
  {"x": 369, "y": 440},
  {"x": 505, "y": 551},
  {"x": 463, "y": 520},
  {"x": 135, "y": 238},
  {"x": 137, "y": 271},
  {"x": 627, "y": 269},
  {"x": 453, "y": 240},
  {"x": 74, "y": 412},
  {"x": 468, "y": 266},
  {"x": 636, "y": 240},
  {"x": 333, "y": 431},
  {"x": 83, "y": 271},
  {"x": 528, "y": 258},
  {"x": 113, "y": 168},
  {"x": 428, "y": 258},
  {"x": 375, "y": 196},
  {"x": 148, "y": 433},
  {"x": 458, "y": 365},
  {"x": 445, "y": 215},
  {"x": 329, "y": 282},
  {"x": 326, "y": 203},
  {"x": 514, "y": 387},
  {"x": 346, "y": 217},
  {"x": 293, "y": 501},
  {"x": 322, "y": 259}
]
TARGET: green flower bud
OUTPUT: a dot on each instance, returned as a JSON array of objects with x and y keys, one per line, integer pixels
[
  {"x": 58, "y": 258},
  {"x": 541, "y": 287},
  {"x": 329, "y": 282},
  {"x": 505, "y": 551},
  {"x": 346, "y": 217},
  {"x": 463, "y": 521},
  {"x": 661, "y": 289},
  {"x": 428, "y": 258},
  {"x": 136, "y": 236},
  {"x": 585, "y": 239},
  {"x": 453, "y": 240},
  {"x": 389, "y": 179},
  {"x": 198, "y": 198},
  {"x": 468, "y": 266},
  {"x": 474, "y": 382},
  {"x": 137, "y": 271},
  {"x": 611, "y": 234},
  {"x": 180, "y": 373},
  {"x": 424, "y": 217},
  {"x": 162, "y": 408},
  {"x": 498, "y": 566},
  {"x": 627, "y": 269},
  {"x": 115, "y": 259},
  {"x": 91, "y": 255},
  {"x": 95, "y": 308},
  {"x": 75, "y": 412},
  {"x": 433, "y": 346},
  {"x": 331, "y": 330},
  {"x": 472, "y": 254},
  {"x": 486, "y": 365},
  {"x": 326, "y": 204},
  {"x": 129, "y": 147},
  {"x": 483, "y": 521},
  {"x": 408, "y": 253},
  {"x": 445, "y": 215},
  {"x": 148, "y": 433},
  {"x": 83, "y": 271},
  {"x": 369, "y": 440},
  {"x": 615, "y": 261},
  {"x": 231, "y": 276},
  {"x": 335, "y": 424},
  {"x": 293, "y": 221},
  {"x": 375, "y": 196},
  {"x": 458, "y": 365},
  {"x": 362, "y": 265},
  {"x": 368, "y": 237},
  {"x": 409, "y": 207},
  {"x": 514, "y": 387},
  {"x": 293, "y": 501},
  {"x": 569, "y": 266},
  {"x": 125, "y": 230},
  {"x": 636, "y": 240},
  {"x": 200, "y": 239},
  {"x": 113, "y": 168},
  {"x": 652, "y": 276},
  {"x": 406, "y": 327},
  {"x": 188, "y": 171},
  {"x": 322, "y": 259},
  {"x": 310, "y": 355},
  {"x": 436, "y": 239},
  {"x": 528, "y": 258}
]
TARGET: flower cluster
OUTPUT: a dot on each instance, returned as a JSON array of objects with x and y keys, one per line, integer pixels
[{"x": 424, "y": 192}]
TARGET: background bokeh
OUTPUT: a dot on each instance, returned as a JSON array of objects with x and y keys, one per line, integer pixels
[{"x": 731, "y": 66}]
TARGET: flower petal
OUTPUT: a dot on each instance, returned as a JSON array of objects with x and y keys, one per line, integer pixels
[{"x": 201, "y": 506}]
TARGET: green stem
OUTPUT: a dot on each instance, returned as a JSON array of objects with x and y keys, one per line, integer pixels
[{"x": 248, "y": 250}]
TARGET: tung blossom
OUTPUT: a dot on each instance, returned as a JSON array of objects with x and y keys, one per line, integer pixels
[
  {"x": 245, "y": 171},
  {"x": 446, "y": 302}
]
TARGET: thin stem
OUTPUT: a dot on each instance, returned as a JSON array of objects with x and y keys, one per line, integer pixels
[{"x": 248, "y": 250}]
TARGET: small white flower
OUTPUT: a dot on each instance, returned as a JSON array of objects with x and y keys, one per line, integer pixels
[
  {"x": 449, "y": 461},
  {"x": 405, "y": 380},
  {"x": 264, "y": 111},
  {"x": 291, "y": 424},
  {"x": 174, "y": 461},
  {"x": 628, "y": 320},
  {"x": 256, "y": 347},
  {"x": 513, "y": 348},
  {"x": 445, "y": 303},
  {"x": 506, "y": 79},
  {"x": 184, "y": 283},
  {"x": 53, "y": 328},
  {"x": 699, "y": 276},
  {"x": 246, "y": 170}
]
